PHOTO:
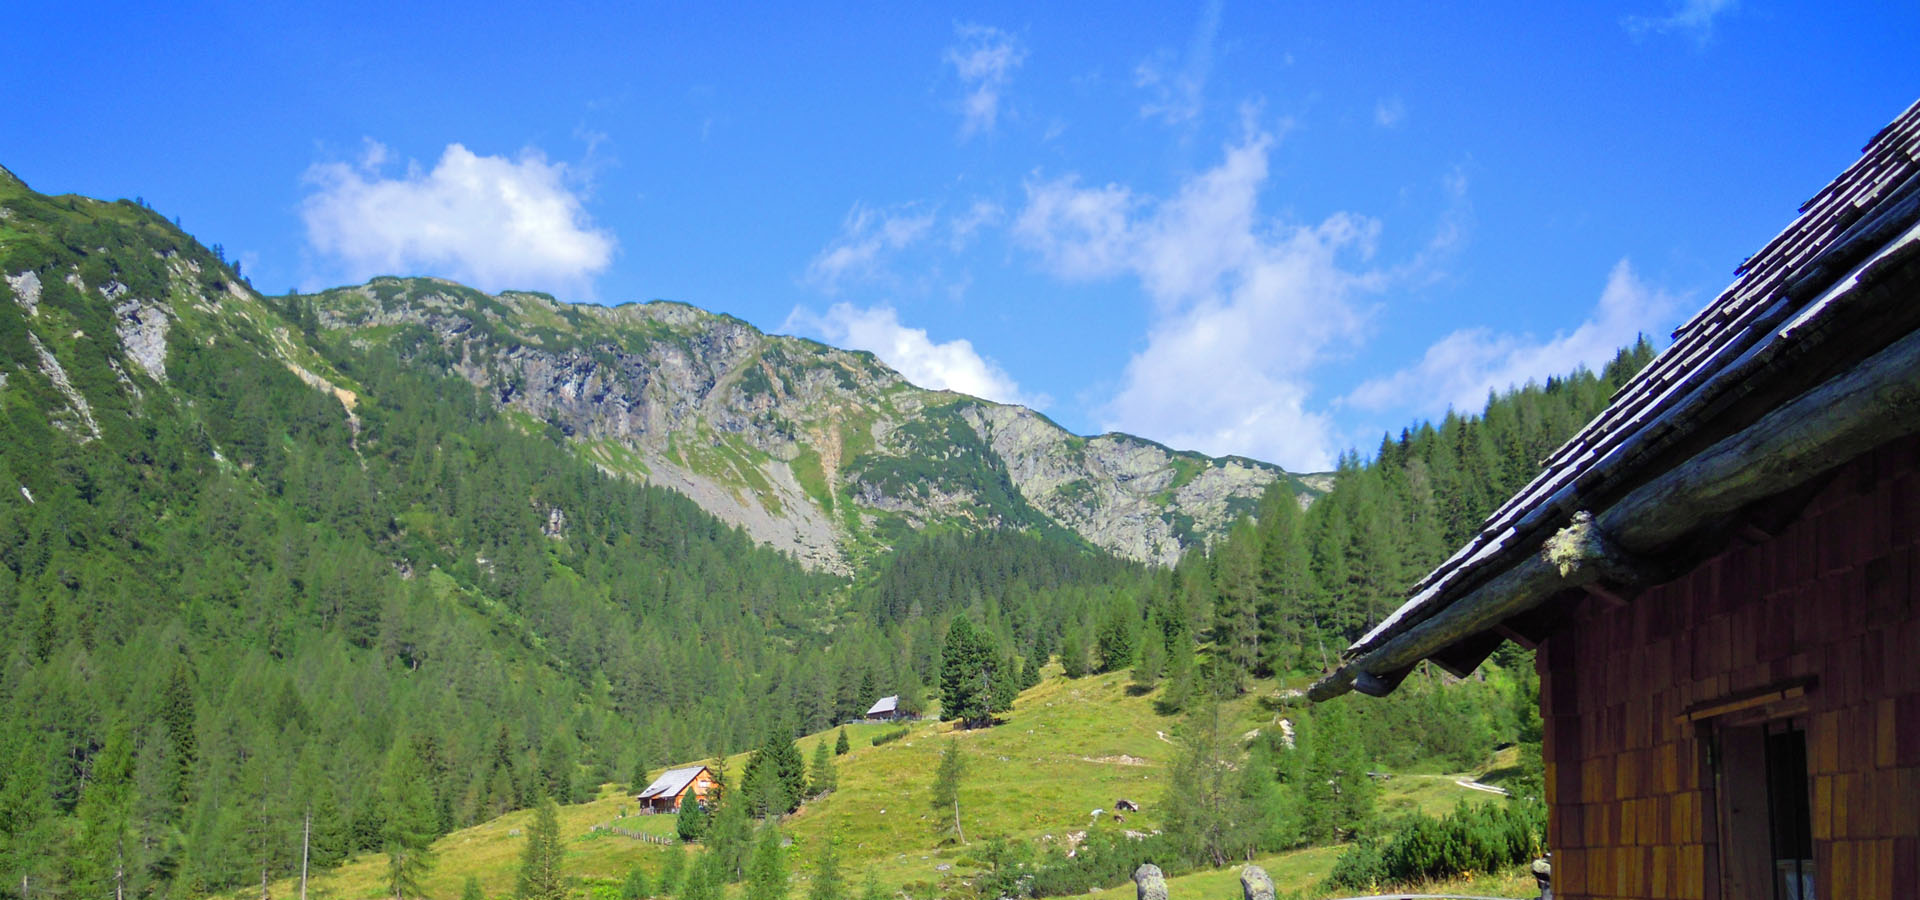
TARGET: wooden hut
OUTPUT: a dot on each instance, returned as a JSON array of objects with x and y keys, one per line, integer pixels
[
  {"x": 886, "y": 709},
  {"x": 1719, "y": 573},
  {"x": 675, "y": 786}
]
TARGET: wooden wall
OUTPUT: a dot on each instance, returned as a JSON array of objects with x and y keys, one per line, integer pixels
[{"x": 1833, "y": 596}]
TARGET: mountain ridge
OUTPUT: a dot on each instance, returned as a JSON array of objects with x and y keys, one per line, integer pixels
[{"x": 822, "y": 452}]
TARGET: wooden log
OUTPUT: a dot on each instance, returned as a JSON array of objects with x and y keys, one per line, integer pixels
[{"x": 1850, "y": 414}]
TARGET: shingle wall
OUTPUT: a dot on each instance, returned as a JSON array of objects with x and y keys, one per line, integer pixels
[{"x": 1833, "y": 595}]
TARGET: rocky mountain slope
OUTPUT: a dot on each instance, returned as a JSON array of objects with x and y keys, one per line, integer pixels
[{"x": 825, "y": 453}]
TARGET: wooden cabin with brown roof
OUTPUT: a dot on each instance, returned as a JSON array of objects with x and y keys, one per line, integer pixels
[{"x": 1720, "y": 575}]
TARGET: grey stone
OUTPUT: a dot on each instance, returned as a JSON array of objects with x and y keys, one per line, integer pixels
[
  {"x": 1255, "y": 885},
  {"x": 1149, "y": 883}
]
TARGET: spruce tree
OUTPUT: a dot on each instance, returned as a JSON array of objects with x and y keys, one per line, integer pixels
[
  {"x": 1116, "y": 638},
  {"x": 541, "y": 877},
  {"x": 1236, "y": 626},
  {"x": 691, "y": 822},
  {"x": 840, "y": 744}
]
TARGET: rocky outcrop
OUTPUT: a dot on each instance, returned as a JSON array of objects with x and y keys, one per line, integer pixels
[{"x": 808, "y": 448}]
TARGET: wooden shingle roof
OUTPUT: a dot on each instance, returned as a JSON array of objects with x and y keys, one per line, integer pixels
[{"x": 1778, "y": 329}]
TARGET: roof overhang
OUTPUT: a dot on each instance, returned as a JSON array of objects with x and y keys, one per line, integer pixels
[{"x": 1816, "y": 365}]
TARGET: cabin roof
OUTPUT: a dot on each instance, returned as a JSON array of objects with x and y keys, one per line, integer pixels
[
  {"x": 1775, "y": 324},
  {"x": 884, "y": 705},
  {"x": 671, "y": 782}
]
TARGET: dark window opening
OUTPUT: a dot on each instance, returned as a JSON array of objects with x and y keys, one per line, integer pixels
[
  {"x": 1789, "y": 813},
  {"x": 1765, "y": 810}
]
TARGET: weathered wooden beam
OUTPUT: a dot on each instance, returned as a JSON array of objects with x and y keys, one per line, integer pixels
[
  {"x": 1854, "y": 412},
  {"x": 1862, "y": 408}
]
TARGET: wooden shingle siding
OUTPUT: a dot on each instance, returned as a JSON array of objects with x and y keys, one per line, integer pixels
[{"x": 1831, "y": 595}]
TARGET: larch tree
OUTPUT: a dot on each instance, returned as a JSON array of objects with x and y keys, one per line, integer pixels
[
  {"x": 408, "y": 823},
  {"x": 946, "y": 792},
  {"x": 541, "y": 877}
]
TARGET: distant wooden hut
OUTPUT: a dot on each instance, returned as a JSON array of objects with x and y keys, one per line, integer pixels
[
  {"x": 887, "y": 709},
  {"x": 1720, "y": 574},
  {"x": 675, "y": 786}
]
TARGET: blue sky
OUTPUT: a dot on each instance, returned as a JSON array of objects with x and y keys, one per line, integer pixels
[{"x": 1272, "y": 229}]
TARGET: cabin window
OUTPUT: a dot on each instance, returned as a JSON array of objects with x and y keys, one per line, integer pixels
[{"x": 1766, "y": 814}]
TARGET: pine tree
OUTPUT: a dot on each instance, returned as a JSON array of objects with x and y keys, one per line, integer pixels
[
  {"x": 767, "y": 878},
  {"x": 840, "y": 745},
  {"x": 946, "y": 792},
  {"x": 540, "y": 862}
]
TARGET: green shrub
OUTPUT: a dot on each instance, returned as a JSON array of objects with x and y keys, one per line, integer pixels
[
  {"x": 1360, "y": 867},
  {"x": 1473, "y": 838},
  {"x": 888, "y": 737}
]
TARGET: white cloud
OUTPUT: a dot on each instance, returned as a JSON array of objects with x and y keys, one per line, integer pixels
[
  {"x": 982, "y": 214},
  {"x": 984, "y": 58},
  {"x": 1389, "y": 112},
  {"x": 1244, "y": 306},
  {"x": 1460, "y": 369},
  {"x": 1178, "y": 94},
  {"x": 866, "y": 235},
  {"x": 953, "y": 365},
  {"x": 1689, "y": 17},
  {"x": 488, "y": 221}
]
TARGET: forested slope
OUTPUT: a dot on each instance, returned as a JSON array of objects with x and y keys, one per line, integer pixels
[
  {"x": 255, "y": 569},
  {"x": 250, "y": 572}
]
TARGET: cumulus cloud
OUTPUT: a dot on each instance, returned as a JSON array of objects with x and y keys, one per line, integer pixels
[
  {"x": 952, "y": 365},
  {"x": 984, "y": 58},
  {"x": 1244, "y": 306},
  {"x": 1689, "y": 17},
  {"x": 1178, "y": 87},
  {"x": 1460, "y": 369},
  {"x": 866, "y": 236},
  {"x": 489, "y": 221}
]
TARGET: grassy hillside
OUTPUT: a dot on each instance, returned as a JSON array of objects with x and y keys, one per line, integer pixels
[{"x": 1070, "y": 746}]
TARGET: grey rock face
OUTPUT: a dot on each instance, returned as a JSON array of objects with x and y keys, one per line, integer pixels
[
  {"x": 804, "y": 446},
  {"x": 1255, "y": 885},
  {"x": 142, "y": 328},
  {"x": 1149, "y": 883}
]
